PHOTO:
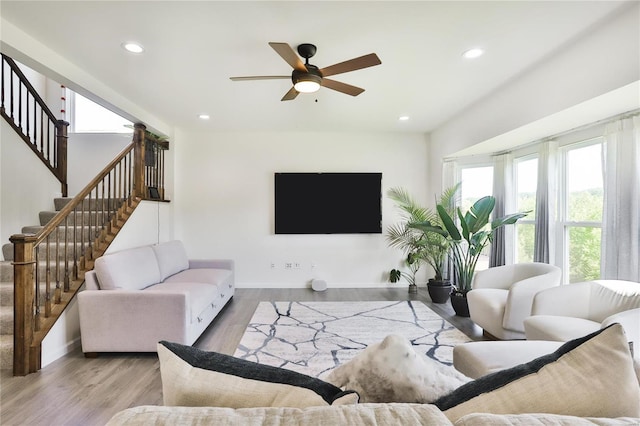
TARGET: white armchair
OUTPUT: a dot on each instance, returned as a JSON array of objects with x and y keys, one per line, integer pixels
[
  {"x": 501, "y": 297},
  {"x": 575, "y": 310}
]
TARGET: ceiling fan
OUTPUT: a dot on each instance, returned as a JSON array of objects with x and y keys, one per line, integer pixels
[{"x": 308, "y": 78}]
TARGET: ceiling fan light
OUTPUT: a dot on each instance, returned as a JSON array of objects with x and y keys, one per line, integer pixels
[
  {"x": 306, "y": 86},
  {"x": 306, "y": 82}
]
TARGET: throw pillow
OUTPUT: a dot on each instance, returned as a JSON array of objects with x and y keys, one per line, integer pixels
[
  {"x": 588, "y": 377},
  {"x": 392, "y": 371},
  {"x": 172, "y": 258},
  {"x": 193, "y": 377}
]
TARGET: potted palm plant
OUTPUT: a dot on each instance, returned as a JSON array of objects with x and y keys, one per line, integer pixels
[
  {"x": 466, "y": 241},
  {"x": 420, "y": 246}
]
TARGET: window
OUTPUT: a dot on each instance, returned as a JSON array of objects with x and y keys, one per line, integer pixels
[
  {"x": 477, "y": 182},
  {"x": 581, "y": 200},
  {"x": 89, "y": 117},
  {"x": 526, "y": 183}
]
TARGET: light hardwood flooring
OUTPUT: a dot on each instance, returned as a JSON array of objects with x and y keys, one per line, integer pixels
[{"x": 75, "y": 390}]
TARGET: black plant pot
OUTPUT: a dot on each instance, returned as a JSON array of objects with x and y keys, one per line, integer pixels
[
  {"x": 439, "y": 290},
  {"x": 413, "y": 289},
  {"x": 459, "y": 303}
]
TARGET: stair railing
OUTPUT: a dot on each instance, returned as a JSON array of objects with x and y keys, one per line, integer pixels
[
  {"x": 100, "y": 209},
  {"x": 27, "y": 113}
]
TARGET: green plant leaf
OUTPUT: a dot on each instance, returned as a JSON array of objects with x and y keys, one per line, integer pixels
[
  {"x": 448, "y": 223},
  {"x": 509, "y": 219},
  {"x": 478, "y": 215},
  {"x": 395, "y": 275}
]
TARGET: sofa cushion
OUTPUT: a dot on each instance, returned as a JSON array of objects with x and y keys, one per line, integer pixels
[
  {"x": 172, "y": 258},
  {"x": 131, "y": 269},
  {"x": 352, "y": 415},
  {"x": 192, "y": 377},
  {"x": 484, "y": 419},
  {"x": 199, "y": 296},
  {"x": 559, "y": 329},
  {"x": 588, "y": 377},
  {"x": 209, "y": 276}
]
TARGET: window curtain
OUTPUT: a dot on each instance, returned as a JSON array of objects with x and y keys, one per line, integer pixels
[
  {"x": 449, "y": 178},
  {"x": 501, "y": 246},
  {"x": 621, "y": 211},
  {"x": 545, "y": 202}
]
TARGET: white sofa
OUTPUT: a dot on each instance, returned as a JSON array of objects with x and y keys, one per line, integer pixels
[
  {"x": 569, "y": 311},
  {"x": 501, "y": 297},
  {"x": 136, "y": 297}
]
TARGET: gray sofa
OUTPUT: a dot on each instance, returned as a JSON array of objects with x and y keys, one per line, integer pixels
[{"x": 136, "y": 297}]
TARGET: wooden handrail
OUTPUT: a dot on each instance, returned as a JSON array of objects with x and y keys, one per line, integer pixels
[
  {"x": 29, "y": 86},
  {"x": 71, "y": 206},
  {"x": 52, "y": 146}
]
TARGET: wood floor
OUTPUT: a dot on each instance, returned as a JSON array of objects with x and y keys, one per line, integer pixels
[{"x": 75, "y": 390}]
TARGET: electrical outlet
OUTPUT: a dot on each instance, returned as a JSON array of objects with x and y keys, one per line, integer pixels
[
  {"x": 288, "y": 265},
  {"x": 296, "y": 265},
  {"x": 273, "y": 265}
]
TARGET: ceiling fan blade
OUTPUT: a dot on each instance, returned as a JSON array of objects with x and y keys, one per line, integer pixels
[
  {"x": 351, "y": 65},
  {"x": 261, "y": 77},
  {"x": 290, "y": 95},
  {"x": 288, "y": 54},
  {"x": 342, "y": 87}
]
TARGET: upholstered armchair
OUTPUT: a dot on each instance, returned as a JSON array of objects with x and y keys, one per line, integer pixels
[
  {"x": 574, "y": 310},
  {"x": 501, "y": 297}
]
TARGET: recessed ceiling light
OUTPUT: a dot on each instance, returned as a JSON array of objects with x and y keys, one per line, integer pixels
[
  {"x": 203, "y": 116},
  {"x": 473, "y": 53},
  {"x": 403, "y": 118},
  {"x": 133, "y": 47}
]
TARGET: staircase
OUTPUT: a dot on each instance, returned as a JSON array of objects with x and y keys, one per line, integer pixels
[
  {"x": 86, "y": 235},
  {"x": 44, "y": 266}
]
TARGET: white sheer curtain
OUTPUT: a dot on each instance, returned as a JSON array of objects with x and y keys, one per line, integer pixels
[
  {"x": 545, "y": 202},
  {"x": 621, "y": 215},
  {"x": 502, "y": 244}
]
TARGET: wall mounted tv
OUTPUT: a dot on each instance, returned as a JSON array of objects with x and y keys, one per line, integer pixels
[{"x": 328, "y": 203}]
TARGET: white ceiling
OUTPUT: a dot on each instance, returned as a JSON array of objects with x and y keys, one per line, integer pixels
[{"x": 192, "y": 48}]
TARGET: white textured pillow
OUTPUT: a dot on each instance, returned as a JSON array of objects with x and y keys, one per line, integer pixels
[
  {"x": 172, "y": 258},
  {"x": 132, "y": 269}
]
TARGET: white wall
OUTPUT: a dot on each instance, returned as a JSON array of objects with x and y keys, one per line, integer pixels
[
  {"x": 22, "y": 173},
  {"x": 602, "y": 60},
  {"x": 224, "y": 202},
  {"x": 89, "y": 153}
]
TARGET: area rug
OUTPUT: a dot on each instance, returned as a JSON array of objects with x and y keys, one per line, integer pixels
[{"x": 315, "y": 337}]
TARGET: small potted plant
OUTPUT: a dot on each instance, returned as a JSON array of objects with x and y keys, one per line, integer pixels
[
  {"x": 466, "y": 241},
  {"x": 413, "y": 263}
]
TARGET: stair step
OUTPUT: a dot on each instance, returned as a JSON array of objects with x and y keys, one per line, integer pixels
[
  {"x": 7, "y": 251},
  {"x": 6, "y": 293},
  {"x": 92, "y": 204},
  {"x": 6, "y": 320},
  {"x": 6, "y": 271},
  {"x": 59, "y": 233},
  {"x": 88, "y": 218},
  {"x": 6, "y": 352}
]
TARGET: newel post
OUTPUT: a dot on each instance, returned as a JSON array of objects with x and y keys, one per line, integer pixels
[
  {"x": 61, "y": 148},
  {"x": 139, "y": 188},
  {"x": 26, "y": 359}
]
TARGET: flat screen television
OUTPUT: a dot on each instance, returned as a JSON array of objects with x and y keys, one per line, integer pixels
[{"x": 328, "y": 203}]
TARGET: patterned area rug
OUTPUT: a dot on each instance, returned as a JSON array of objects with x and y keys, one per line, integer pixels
[{"x": 315, "y": 337}]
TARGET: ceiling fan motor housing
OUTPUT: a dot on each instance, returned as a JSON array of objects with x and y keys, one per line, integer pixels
[{"x": 312, "y": 74}]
